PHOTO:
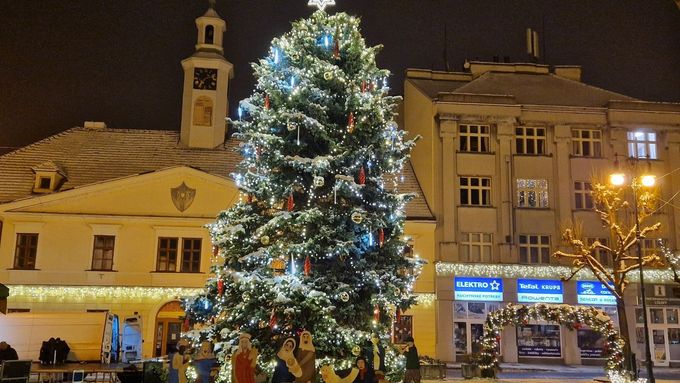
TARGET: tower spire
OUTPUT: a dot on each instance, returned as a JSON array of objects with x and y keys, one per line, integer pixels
[{"x": 211, "y": 3}]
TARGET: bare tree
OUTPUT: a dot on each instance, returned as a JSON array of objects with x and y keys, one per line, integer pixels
[{"x": 614, "y": 211}]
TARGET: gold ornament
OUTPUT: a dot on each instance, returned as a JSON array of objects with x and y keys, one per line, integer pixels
[
  {"x": 328, "y": 76},
  {"x": 357, "y": 217},
  {"x": 278, "y": 266},
  {"x": 264, "y": 240},
  {"x": 344, "y": 296},
  {"x": 356, "y": 350},
  {"x": 319, "y": 181},
  {"x": 291, "y": 127}
]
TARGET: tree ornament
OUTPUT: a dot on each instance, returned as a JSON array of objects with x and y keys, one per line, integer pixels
[
  {"x": 319, "y": 181},
  {"x": 328, "y": 76},
  {"x": 216, "y": 251},
  {"x": 376, "y": 313},
  {"x": 250, "y": 198},
  {"x": 278, "y": 266},
  {"x": 266, "y": 101},
  {"x": 186, "y": 324},
  {"x": 220, "y": 287},
  {"x": 344, "y": 296},
  {"x": 381, "y": 237},
  {"x": 357, "y": 217},
  {"x": 272, "y": 319},
  {"x": 264, "y": 240},
  {"x": 356, "y": 350},
  {"x": 350, "y": 122},
  {"x": 398, "y": 315},
  {"x": 308, "y": 266},
  {"x": 362, "y": 176},
  {"x": 363, "y": 86},
  {"x": 291, "y": 126},
  {"x": 336, "y": 48},
  {"x": 291, "y": 202}
]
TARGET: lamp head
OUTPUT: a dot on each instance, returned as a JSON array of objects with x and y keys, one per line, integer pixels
[
  {"x": 648, "y": 181},
  {"x": 617, "y": 179}
]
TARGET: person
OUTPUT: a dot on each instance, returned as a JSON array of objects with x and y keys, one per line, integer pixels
[
  {"x": 178, "y": 366},
  {"x": 244, "y": 361},
  {"x": 306, "y": 357},
  {"x": 412, "y": 361},
  {"x": 375, "y": 358},
  {"x": 287, "y": 367},
  {"x": 365, "y": 372},
  {"x": 7, "y": 352}
]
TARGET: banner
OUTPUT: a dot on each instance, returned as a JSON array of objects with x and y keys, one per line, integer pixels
[
  {"x": 478, "y": 289},
  {"x": 593, "y": 293},
  {"x": 539, "y": 290}
]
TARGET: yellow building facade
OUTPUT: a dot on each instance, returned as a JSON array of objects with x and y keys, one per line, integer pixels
[{"x": 100, "y": 219}]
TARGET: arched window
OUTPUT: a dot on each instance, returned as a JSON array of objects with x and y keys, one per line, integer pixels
[
  {"x": 203, "y": 109},
  {"x": 209, "y": 34}
]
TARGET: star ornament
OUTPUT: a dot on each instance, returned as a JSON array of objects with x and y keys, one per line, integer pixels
[
  {"x": 495, "y": 285},
  {"x": 321, "y": 4}
]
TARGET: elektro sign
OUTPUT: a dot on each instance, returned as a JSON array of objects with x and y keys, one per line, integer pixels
[
  {"x": 594, "y": 293},
  {"x": 478, "y": 289},
  {"x": 539, "y": 290}
]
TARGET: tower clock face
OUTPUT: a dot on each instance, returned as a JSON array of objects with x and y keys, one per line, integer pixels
[{"x": 205, "y": 78}]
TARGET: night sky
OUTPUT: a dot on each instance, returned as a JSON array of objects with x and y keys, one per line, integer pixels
[{"x": 66, "y": 61}]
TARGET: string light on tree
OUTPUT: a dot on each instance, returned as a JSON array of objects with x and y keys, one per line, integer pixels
[{"x": 321, "y": 4}]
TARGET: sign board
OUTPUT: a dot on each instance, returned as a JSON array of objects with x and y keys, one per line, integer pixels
[
  {"x": 478, "y": 289},
  {"x": 539, "y": 290},
  {"x": 593, "y": 293}
]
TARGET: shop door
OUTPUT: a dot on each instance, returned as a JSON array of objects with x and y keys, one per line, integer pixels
[
  {"x": 167, "y": 335},
  {"x": 467, "y": 337},
  {"x": 658, "y": 336}
]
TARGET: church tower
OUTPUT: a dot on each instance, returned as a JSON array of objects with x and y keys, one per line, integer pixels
[{"x": 206, "y": 86}]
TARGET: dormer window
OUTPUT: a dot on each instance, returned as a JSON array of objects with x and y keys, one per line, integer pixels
[{"x": 48, "y": 177}]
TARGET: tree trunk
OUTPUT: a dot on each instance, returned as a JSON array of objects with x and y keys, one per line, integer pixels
[{"x": 623, "y": 331}]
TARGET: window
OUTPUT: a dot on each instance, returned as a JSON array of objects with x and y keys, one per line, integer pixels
[
  {"x": 642, "y": 145},
  {"x": 209, "y": 34},
  {"x": 26, "y": 250},
  {"x": 167, "y": 254},
  {"x": 191, "y": 255},
  {"x": 45, "y": 183},
  {"x": 474, "y": 138},
  {"x": 602, "y": 256},
  {"x": 532, "y": 193},
  {"x": 583, "y": 197},
  {"x": 102, "y": 254},
  {"x": 475, "y": 247},
  {"x": 535, "y": 340},
  {"x": 652, "y": 246},
  {"x": 475, "y": 191},
  {"x": 586, "y": 142},
  {"x": 530, "y": 140},
  {"x": 534, "y": 249},
  {"x": 403, "y": 328},
  {"x": 203, "y": 109}
]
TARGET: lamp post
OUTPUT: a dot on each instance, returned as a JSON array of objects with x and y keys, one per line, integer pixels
[{"x": 619, "y": 179}]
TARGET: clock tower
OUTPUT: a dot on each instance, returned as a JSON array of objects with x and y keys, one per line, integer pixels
[{"x": 206, "y": 86}]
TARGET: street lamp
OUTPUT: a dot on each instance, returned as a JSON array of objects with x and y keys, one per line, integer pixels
[{"x": 648, "y": 181}]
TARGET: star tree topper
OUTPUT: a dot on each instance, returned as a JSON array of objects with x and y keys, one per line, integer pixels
[{"x": 321, "y": 4}]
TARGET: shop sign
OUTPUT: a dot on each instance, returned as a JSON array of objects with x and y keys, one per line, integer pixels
[
  {"x": 539, "y": 351},
  {"x": 593, "y": 293},
  {"x": 539, "y": 290},
  {"x": 478, "y": 289}
]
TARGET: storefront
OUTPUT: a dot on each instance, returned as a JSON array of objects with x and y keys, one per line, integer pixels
[
  {"x": 591, "y": 343},
  {"x": 663, "y": 308},
  {"x": 539, "y": 339},
  {"x": 474, "y": 298}
]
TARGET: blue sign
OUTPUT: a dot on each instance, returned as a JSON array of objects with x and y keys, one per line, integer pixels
[
  {"x": 594, "y": 293},
  {"x": 478, "y": 289},
  {"x": 539, "y": 290}
]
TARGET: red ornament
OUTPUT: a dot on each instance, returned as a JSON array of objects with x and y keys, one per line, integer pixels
[
  {"x": 376, "y": 313},
  {"x": 577, "y": 326},
  {"x": 266, "y": 101},
  {"x": 220, "y": 287},
  {"x": 336, "y": 49},
  {"x": 308, "y": 266},
  {"x": 272, "y": 319},
  {"x": 363, "y": 86},
  {"x": 498, "y": 338},
  {"x": 250, "y": 198},
  {"x": 362, "y": 176},
  {"x": 381, "y": 237},
  {"x": 216, "y": 251},
  {"x": 291, "y": 202},
  {"x": 350, "y": 122},
  {"x": 398, "y": 316},
  {"x": 185, "y": 324}
]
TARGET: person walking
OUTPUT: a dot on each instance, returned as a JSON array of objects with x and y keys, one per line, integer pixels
[{"x": 412, "y": 361}]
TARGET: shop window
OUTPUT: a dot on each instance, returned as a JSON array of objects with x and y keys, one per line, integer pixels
[
  {"x": 532, "y": 192},
  {"x": 586, "y": 142},
  {"x": 529, "y": 140},
  {"x": 534, "y": 249},
  {"x": 474, "y": 138},
  {"x": 591, "y": 343},
  {"x": 26, "y": 251},
  {"x": 460, "y": 337},
  {"x": 102, "y": 252},
  {"x": 583, "y": 197},
  {"x": 642, "y": 144},
  {"x": 403, "y": 329},
  {"x": 475, "y": 191},
  {"x": 536, "y": 340},
  {"x": 476, "y": 247},
  {"x": 656, "y": 315},
  {"x": 672, "y": 316}
]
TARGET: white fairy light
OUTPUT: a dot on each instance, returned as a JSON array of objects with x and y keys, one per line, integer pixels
[{"x": 321, "y": 4}]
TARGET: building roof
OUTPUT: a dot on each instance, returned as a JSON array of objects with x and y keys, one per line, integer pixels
[
  {"x": 88, "y": 156},
  {"x": 525, "y": 88}
]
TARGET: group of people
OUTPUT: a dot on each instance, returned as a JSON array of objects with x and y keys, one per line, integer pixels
[
  {"x": 297, "y": 363},
  {"x": 7, "y": 352}
]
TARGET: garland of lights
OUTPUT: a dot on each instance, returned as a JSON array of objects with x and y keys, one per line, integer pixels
[
  {"x": 573, "y": 317},
  {"x": 539, "y": 271},
  {"x": 82, "y": 293}
]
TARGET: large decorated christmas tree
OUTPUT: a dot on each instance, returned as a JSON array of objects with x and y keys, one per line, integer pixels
[{"x": 316, "y": 242}]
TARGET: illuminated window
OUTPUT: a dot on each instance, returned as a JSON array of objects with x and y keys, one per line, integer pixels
[
  {"x": 651, "y": 246},
  {"x": 475, "y": 247},
  {"x": 529, "y": 140},
  {"x": 26, "y": 251},
  {"x": 601, "y": 255},
  {"x": 403, "y": 328},
  {"x": 532, "y": 193},
  {"x": 534, "y": 249},
  {"x": 167, "y": 254},
  {"x": 583, "y": 195},
  {"x": 474, "y": 138},
  {"x": 642, "y": 144},
  {"x": 475, "y": 191},
  {"x": 102, "y": 253},
  {"x": 191, "y": 255},
  {"x": 586, "y": 142}
]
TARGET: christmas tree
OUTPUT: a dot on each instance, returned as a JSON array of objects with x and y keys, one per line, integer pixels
[{"x": 315, "y": 243}]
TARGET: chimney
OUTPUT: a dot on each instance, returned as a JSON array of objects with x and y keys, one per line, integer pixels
[
  {"x": 95, "y": 125},
  {"x": 571, "y": 72}
]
